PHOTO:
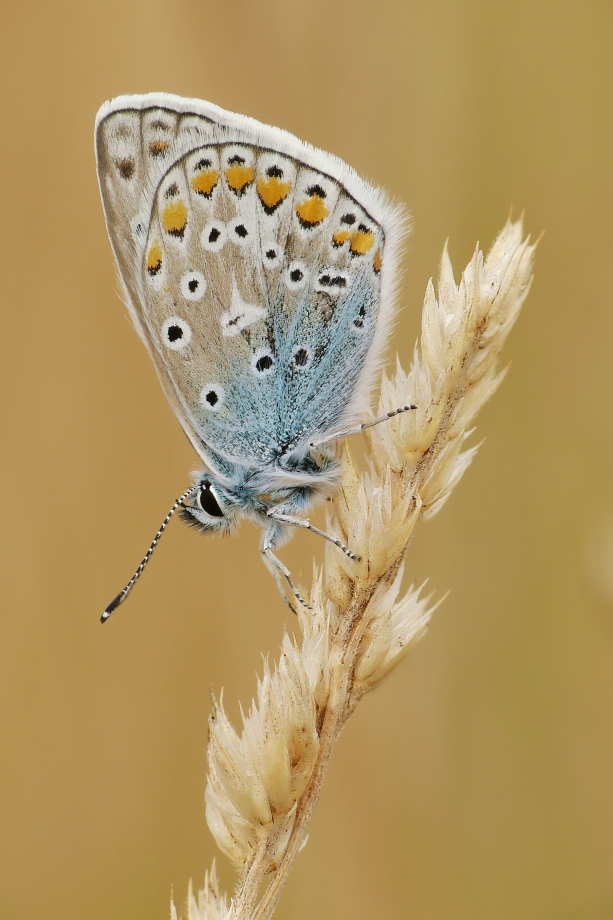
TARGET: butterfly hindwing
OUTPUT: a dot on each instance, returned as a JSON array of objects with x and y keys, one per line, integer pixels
[{"x": 252, "y": 265}]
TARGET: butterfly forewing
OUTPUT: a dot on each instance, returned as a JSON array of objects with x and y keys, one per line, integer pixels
[{"x": 253, "y": 276}]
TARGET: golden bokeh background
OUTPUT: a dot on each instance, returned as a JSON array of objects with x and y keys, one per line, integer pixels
[{"x": 476, "y": 783}]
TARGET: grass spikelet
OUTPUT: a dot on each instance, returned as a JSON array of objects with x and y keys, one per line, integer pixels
[
  {"x": 256, "y": 779},
  {"x": 264, "y": 783}
]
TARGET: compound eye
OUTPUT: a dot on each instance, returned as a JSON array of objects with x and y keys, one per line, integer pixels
[{"x": 208, "y": 502}]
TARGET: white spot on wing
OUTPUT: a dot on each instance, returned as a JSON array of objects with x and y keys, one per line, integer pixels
[
  {"x": 240, "y": 231},
  {"x": 176, "y": 333},
  {"x": 193, "y": 286},
  {"x": 213, "y": 236},
  {"x": 271, "y": 255},
  {"x": 139, "y": 227},
  {"x": 332, "y": 281},
  {"x": 296, "y": 276},
  {"x": 212, "y": 397},
  {"x": 262, "y": 362},
  {"x": 240, "y": 315}
]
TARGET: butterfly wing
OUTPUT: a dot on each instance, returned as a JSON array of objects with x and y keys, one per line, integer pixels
[{"x": 258, "y": 270}]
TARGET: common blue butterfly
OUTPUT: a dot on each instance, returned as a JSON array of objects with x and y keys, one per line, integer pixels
[{"x": 260, "y": 274}]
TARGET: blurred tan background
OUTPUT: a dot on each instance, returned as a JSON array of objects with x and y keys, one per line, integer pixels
[{"x": 476, "y": 783}]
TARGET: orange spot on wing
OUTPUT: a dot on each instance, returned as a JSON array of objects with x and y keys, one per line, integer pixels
[
  {"x": 239, "y": 177},
  {"x": 205, "y": 181},
  {"x": 157, "y": 148},
  {"x": 311, "y": 211},
  {"x": 362, "y": 242},
  {"x": 272, "y": 192},
  {"x": 340, "y": 237},
  {"x": 376, "y": 262},
  {"x": 174, "y": 218},
  {"x": 154, "y": 259}
]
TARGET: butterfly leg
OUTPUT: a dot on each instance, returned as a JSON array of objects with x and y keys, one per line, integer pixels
[
  {"x": 357, "y": 428},
  {"x": 298, "y": 522},
  {"x": 277, "y": 577},
  {"x": 277, "y": 569}
]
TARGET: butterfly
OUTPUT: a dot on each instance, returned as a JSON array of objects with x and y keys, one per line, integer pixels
[{"x": 260, "y": 273}]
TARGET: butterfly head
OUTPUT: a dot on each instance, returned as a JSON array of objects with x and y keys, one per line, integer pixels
[
  {"x": 221, "y": 500},
  {"x": 212, "y": 508}
]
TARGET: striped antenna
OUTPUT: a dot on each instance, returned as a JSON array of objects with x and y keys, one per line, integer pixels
[
  {"x": 356, "y": 430},
  {"x": 123, "y": 594}
]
